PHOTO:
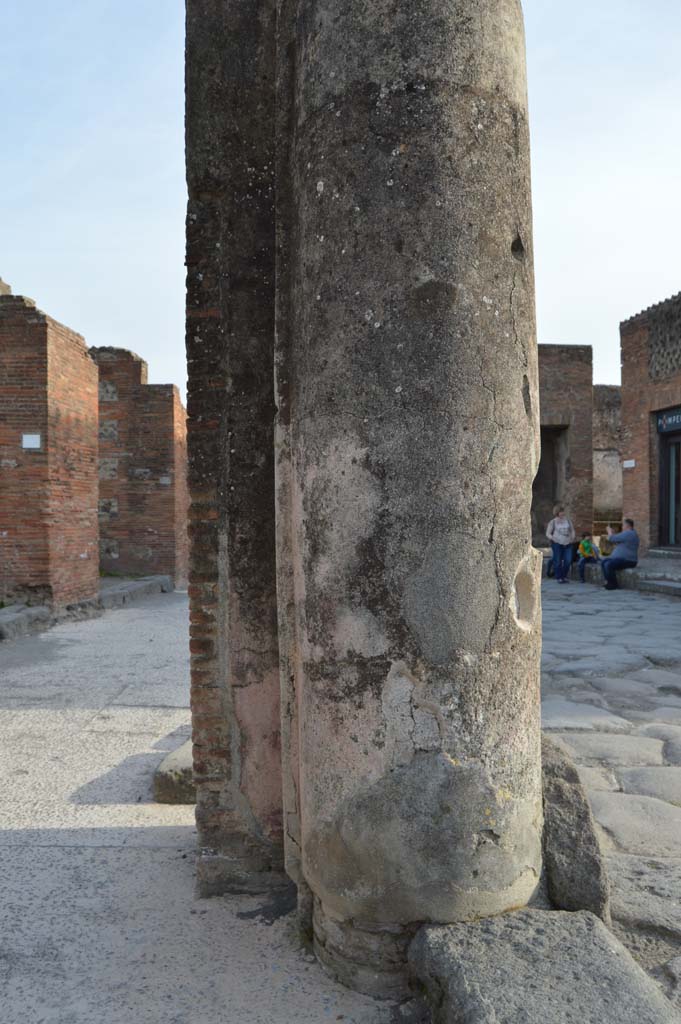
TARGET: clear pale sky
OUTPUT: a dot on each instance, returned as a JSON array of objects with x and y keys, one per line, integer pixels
[{"x": 92, "y": 188}]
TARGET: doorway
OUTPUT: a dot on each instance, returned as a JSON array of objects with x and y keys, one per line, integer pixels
[
  {"x": 549, "y": 484},
  {"x": 671, "y": 491}
]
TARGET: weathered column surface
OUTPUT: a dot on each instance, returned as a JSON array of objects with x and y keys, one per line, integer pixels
[
  {"x": 412, "y": 395},
  {"x": 230, "y": 338}
]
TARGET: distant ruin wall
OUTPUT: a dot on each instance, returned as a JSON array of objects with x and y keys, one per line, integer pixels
[
  {"x": 607, "y": 444},
  {"x": 565, "y": 399},
  {"x": 48, "y": 459},
  {"x": 142, "y": 470}
]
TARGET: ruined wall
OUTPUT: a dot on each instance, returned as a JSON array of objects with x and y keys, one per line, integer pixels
[
  {"x": 651, "y": 382},
  {"x": 142, "y": 470},
  {"x": 48, "y": 494},
  {"x": 565, "y": 399},
  {"x": 607, "y": 444}
]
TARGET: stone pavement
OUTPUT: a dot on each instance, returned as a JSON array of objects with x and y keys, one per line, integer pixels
[
  {"x": 611, "y": 691},
  {"x": 99, "y": 913},
  {"x": 100, "y": 921}
]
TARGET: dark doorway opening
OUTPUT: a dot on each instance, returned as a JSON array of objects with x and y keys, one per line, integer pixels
[
  {"x": 549, "y": 484},
  {"x": 670, "y": 504}
]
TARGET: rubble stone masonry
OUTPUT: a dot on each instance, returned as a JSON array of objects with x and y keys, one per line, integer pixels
[
  {"x": 143, "y": 496},
  {"x": 48, "y": 459},
  {"x": 651, "y": 383}
]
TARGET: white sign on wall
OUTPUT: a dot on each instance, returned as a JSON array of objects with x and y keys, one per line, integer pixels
[
  {"x": 30, "y": 441},
  {"x": 629, "y": 464}
]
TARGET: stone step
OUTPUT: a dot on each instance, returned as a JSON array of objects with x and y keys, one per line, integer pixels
[
  {"x": 660, "y": 552},
  {"x": 672, "y": 588}
]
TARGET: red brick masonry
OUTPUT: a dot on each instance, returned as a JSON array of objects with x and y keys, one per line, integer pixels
[
  {"x": 565, "y": 395},
  {"x": 651, "y": 382},
  {"x": 48, "y": 494},
  {"x": 143, "y": 497}
]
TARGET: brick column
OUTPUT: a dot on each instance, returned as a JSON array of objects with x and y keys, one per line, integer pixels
[{"x": 230, "y": 336}]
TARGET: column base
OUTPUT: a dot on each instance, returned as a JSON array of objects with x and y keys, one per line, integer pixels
[{"x": 369, "y": 959}]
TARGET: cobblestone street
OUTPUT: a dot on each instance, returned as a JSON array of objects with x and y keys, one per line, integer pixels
[
  {"x": 100, "y": 918},
  {"x": 611, "y": 690}
]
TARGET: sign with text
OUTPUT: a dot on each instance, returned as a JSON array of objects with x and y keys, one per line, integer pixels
[{"x": 669, "y": 422}]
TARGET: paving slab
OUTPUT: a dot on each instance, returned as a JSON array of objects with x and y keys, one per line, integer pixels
[
  {"x": 608, "y": 662},
  {"x": 639, "y": 825},
  {"x": 608, "y": 749},
  {"x": 670, "y": 734},
  {"x": 646, "y": 891},
  {"x": 598, "y": 778},
  {"x": 661, "y": 783},
  {"x": 535, "y": 967},
  {"x": 559, "y": 714},
  {"x": 636, "y": 686}
]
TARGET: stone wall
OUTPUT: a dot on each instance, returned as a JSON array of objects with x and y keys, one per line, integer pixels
[
  {"x": 607, "y": 442},
  {"x": 566, "y": 469},
  {"x": 48, "y": 493},
  {"x": 651, "y": 382},
  {"x": 142, "y": 470}
]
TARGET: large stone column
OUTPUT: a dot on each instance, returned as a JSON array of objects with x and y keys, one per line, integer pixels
[
  {"x": 412, "y": 400},
  {"x": 230, "y": 341}
]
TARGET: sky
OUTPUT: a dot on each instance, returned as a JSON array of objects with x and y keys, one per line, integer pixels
[{"x": 92, "y": 193}]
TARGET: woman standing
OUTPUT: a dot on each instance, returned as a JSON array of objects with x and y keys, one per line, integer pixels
[{"x": 561, "y": 533}]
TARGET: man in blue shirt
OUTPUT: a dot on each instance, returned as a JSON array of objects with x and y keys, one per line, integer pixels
[{"x": 624, "y": 556}]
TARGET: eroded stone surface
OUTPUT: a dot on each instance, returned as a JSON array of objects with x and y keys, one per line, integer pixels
[
  {"x": 661, "y": 783},
  {"x": 535, "y": 967},
  {"x": 639, "y": 824},
  {"x": 412, "y": 720},
  {"x": 174, "y": 777},
  {"x": 603, "y": 748},
  {"x": 575, "y": 869},
  {"x": 567, "y": 714}
]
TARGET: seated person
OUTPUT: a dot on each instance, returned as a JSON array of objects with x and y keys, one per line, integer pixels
[
  {"x": 624, "y": 556},
  {"x": 588, "y": 554}
]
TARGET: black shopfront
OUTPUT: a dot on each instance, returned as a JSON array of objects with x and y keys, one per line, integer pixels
[{"x": 669, "y": 430}]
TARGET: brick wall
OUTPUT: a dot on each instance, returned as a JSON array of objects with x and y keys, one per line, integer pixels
[
  {"x": 607, "y": 441},
  {"x": 651, "y": 381},
  {"x": 142, "y": 470},
  {"x": 48, "y": 496},
  {"x": 565, "y": 397},
  {"x": 230, "y": 342}
]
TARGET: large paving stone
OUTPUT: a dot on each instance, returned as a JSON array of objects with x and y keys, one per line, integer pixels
[
  {"x": 665, "y": 680},
  {"x": 598, "y": 778},
  {"x": 605, "y": 748},
  {"x": 646, "y": 892},
  {"x": 639, "y": 825},
  {"x": 535, "y": 967},
  {"x": 619, "y": 686},
  {"x": 671, "y": 736},
  {"x": 557, "y": 714},
  {"x": 661, "y": 783},
  {"x": 666, "y": 715},
  {"x": 576, "y": 874},
  {"x": 604, "y": 663}
]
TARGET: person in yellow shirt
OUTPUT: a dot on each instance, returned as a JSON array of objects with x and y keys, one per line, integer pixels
[{"x": 587, "y": 553}]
